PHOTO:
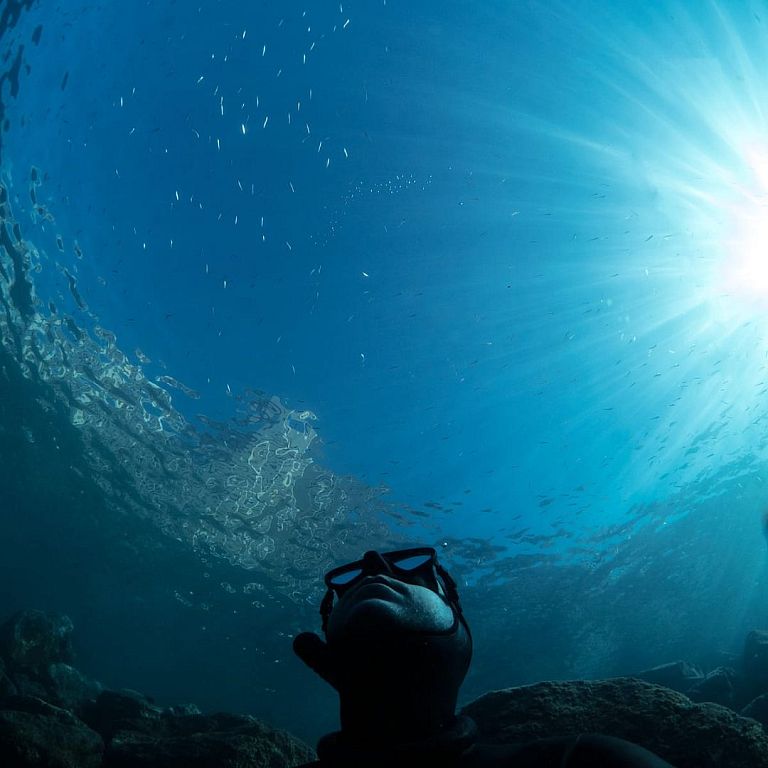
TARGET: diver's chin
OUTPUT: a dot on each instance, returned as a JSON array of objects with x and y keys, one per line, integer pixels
[{"x": 368, "y": 617}]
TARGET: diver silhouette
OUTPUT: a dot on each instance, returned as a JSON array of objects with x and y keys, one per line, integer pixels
[{"x": 397, "y": 649}]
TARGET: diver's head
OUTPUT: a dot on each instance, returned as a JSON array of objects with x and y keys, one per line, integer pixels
[
  {"x": 397, "y": 640},
  {"x": 428, "y": 597}
]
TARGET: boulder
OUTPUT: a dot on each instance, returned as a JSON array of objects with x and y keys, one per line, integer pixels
[
  {"x": 677, "y": 675},
  {"x": 686, "y": 734},
  {"x": 27, "y": 685},
  {"x": 757, "y": 709},
  {"x": 69, "y": 688},
  {"x": 215, "y": 741},
  {"x": 187, "y": 725},
  {"x": 719, "y": 687},
  {"x": 182, "y": 709},
  {"x": 7, "y": 686},
  {"x": 30, "y": 641},
  {"x": 124, "y": 710},
  {"x": 34, "y": 733}
]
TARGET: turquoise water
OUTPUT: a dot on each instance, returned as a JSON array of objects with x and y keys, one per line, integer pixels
[{"x": 289, "y": 283}]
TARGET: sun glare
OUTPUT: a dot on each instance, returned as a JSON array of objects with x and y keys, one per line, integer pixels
[{"x": 744, "y": 266}]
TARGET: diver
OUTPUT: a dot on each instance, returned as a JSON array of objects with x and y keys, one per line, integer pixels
[{"x": 397, "y": 649}]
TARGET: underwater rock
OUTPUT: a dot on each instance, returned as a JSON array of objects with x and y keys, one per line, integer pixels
[
  {"x": 677, "y": 675},
  {"x": 686, "y": 734},
  {"x": 125, "y": 710},
  {"x": 34, "y": 733},
  {"x": 186, "y": 725},
  {"x": 719, "y": 687},
  {"x": 757, "y": 709},
  {"x": 30, "y": 641},
  {"x": 64, "y": 719},
  {"x": 215, "y": 741},
  {"x": 140, "y": 734},
  {"x": 30, "y": 686},
  {"x": 70, "y": 689},
  {"x": 182, "y": 709},
  {"x": 7, "y": 686},
  {"x": 36, "y": 647}
]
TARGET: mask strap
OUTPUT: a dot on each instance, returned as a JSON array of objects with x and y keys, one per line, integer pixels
[
  {"x": 326, "y": 607},
  {"x": 452, "y": 592}
]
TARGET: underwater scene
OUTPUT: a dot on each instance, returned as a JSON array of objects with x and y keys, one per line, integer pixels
[{"x": 283, "y": 283}]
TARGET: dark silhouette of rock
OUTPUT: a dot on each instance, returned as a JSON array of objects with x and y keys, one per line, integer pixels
[
  {"x": 186, "y": 725},
  {"x": 677, "y": 675},
  {"x": 64, "y": 719},
  {"x": 34, "y": 734},
  {"x": 686, "y": 734},
  {"x": 7, "y": 686},
  {"x": 223, "y": 741},
  {"x": 70, "y": 689},
  {"x": 757, "y": 709},
  {"x": 27, "y": 685},
  {"x": 719, "y": 687},
  {"x": 138, "y": 733},
  {"x": 125, "y": 710},
  {"x": 30, "y": 641},
  {"x": 35, "y": 651},
  {"x": 69, "y": 719},
  {"x": 183, "y": 709}
]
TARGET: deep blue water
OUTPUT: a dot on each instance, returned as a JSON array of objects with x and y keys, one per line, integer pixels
[{"x": 486, "y": 276}]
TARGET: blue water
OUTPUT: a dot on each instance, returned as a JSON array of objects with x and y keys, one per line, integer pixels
[{"x": 501, "y": 267}]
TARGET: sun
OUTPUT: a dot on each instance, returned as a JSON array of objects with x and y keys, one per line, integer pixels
[{"x": 743, "y": 273}]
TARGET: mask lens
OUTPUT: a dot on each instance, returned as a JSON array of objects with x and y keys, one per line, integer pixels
[
  {"x": 341, "y": 579},
  {"x": 413, "y": 562}
]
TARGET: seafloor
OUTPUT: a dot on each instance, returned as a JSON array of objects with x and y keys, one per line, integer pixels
[{"x": 53, "y": 715}]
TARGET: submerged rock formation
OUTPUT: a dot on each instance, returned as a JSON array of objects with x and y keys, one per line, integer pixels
[
  {"x": 33, "y": 733},
  {"x": 52, "y": 715},
  {"x": 684, "y": 733},
  {"x": 32, "y": 640},
  {"x": 742, "y": 687}
]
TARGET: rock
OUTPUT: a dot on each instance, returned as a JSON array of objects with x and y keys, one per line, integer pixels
[
  {"x": 30, "y": 686},
  {"x": 719, "y": 687},
  {"x": 757, "y": 709},
  {"x": 28, "y": 704},
  {"x": 224, "y": 741},
  {"x": 186, "y": 725},
  {"x": 30, "y": 641},
  {"x": 125, "y": 710},
  {"x": 37, "y": 648},
  {"x": 182, "y": 709},
  {"x": 755, "y": 661},
  {"x": 686, "y": 734},
  {"x": 677, "y": 675},
  {"x": 34, "y": 733},
  {"x": 7, "y": 686},
  {"x": 70, "y": 689}
]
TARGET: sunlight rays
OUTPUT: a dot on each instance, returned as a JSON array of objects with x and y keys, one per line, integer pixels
[{"x": 653, "y": 307}]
